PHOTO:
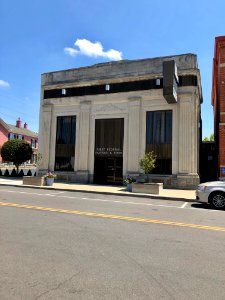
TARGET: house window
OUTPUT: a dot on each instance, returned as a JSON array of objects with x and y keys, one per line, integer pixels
[
  {"x": 20, "y": 137},
  {"x": 10, "y": 136},
  {"x": 65, "y": 143},
  {"x": 159, "y": 139},
  {"x": 32, "y": 142}
]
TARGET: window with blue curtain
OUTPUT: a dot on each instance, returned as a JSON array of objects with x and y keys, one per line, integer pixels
[
  {"x": 159, "y": 139},
  {"x": 65, "y": 143}
]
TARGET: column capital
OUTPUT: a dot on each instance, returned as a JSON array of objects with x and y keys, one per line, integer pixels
[
  {"x": 134, "y": 100},
  {"x": 85, "y": 103}
]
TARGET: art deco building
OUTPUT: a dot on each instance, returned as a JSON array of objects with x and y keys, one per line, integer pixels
[{"x": 97, "y": 122}]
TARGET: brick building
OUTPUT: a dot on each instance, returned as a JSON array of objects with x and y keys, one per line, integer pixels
[
  {"x": 9, "y": 132},
  {"x": 218, "y": 102}
]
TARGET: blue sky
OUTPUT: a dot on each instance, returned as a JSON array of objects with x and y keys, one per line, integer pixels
[{"x": 34, "y": 35}]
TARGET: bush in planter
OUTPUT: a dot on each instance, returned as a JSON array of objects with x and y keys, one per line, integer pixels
[
  {"x": 29, "y": 173},
  {"x": 21, "y": 173},
  {"x": 49, "y": 177},
  {"x": 129, "y": 180},
  {"x": 147, "y": 162},
  {"x": 14, "y": 173},
  {"x": 6, "y": 174}
]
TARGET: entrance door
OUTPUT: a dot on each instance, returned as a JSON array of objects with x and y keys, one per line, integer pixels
[{"x": 108, "y": 168}]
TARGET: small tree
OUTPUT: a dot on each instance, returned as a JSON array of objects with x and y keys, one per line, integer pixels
[
  {"x": 16, "y": 151},
  {"x": 147, "y": 163},
  {"x": 211, "y": 138}
]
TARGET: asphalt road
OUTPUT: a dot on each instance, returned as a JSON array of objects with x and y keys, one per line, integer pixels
[{"x": 69, "y": 245}]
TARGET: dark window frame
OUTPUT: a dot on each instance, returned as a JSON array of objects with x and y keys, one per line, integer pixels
[
  {"x": 159, "y": 130},
  {"x": 65, "y": 143}
]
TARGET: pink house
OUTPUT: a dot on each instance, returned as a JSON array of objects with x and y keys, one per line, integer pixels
[{"x": 9, "y": 132}]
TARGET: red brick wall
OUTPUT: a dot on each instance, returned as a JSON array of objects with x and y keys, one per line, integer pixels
[
  {"x": 222, "y": 118},
  {"x": 3, "y": 137},
  {"x": 221, "y": 86},
  {"x": 219, "y": 99},
  {"x": 222, "y": 54},
  {"x": 221, "y": 89},
  {"x": 222, "y": 147}
]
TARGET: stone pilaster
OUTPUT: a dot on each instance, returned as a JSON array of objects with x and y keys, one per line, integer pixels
[
  {"x": 83, "y": 141},
  {"x": 133, "y": 135},
  {"x": 45, "y": 137},
  {"x": 188, "y": 137}
]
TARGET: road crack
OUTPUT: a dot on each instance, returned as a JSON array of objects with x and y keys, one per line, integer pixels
[{"x": 57, "y": 287}]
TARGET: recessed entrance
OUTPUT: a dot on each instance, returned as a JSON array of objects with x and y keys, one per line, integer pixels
[{"x": 108, "y": 168}]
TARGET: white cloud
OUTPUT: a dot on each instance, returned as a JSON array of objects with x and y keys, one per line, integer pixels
[
  {"x": 92, "y": 50},
  {"x": 71, "y": 51},
  {"x": 4, "y": 83}
]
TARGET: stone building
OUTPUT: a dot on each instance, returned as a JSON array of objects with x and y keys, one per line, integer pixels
[
  {"x": 97, "y": 122},
  {"x": 218, "y": 102}
]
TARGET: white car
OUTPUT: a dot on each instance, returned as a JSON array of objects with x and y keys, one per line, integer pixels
[{"x": 212, "y": 192}]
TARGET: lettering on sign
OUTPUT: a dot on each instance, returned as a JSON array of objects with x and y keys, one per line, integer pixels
[{"x": 108, "y": 151}]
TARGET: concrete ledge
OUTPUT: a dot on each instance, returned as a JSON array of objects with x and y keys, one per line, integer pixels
[
  {"x": 33, "y": 180},
  {"x": 147, "y": 188}
]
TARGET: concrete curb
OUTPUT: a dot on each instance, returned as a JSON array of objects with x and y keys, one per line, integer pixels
[{"x": 134, "y": 195}]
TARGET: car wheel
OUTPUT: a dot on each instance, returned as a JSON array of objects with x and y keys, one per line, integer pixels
[{"x": 217, "y": 200}]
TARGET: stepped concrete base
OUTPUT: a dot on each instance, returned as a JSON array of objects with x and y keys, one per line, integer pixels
[
  {"x": 179, "y": 181},
  {"x": 147, "y": 188},
  {"x": 82, "y": 176},
  {"x": 34, "y": 180}
]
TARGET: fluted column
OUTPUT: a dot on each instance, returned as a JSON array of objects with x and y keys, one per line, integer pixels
[
  {"x": 133, "y": 134},
  {"x": 187, "y": 137},
  {"x": 83, "y": 141},
  {"x": 44, "y": 137}
]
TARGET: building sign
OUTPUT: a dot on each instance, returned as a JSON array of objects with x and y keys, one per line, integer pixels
[
  {"x": 108, "y": 151},
  {"x": 223, "y": 171},
  {"x": 170, "y": 81}
]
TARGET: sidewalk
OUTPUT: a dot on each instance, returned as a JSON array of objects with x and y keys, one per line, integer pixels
[{"x": 167, "y": 194}]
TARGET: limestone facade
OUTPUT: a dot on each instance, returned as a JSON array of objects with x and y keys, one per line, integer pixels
[{"x": 131, "y": 106}]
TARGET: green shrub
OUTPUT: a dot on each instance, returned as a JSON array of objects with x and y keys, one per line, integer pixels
[
  {"x": 13, "y": 174},
  {"x": 16, "y": 151},
  {"x": 147, "y": 163}
]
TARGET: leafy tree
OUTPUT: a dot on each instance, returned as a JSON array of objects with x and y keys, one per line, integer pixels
[
  {"x": 16, "y": 151},
  {"x": 211, "y": 138},
  {"x": 147, "y": 163}
]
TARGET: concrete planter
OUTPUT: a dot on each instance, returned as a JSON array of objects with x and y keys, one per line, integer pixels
[
  {"x": 129, "y": 187},
  {"x": 49, "y": 181},
  {"x": 33, "y": 180},
  {"x": 142, "y": 178},
  {"x": 147, "y": 188}
]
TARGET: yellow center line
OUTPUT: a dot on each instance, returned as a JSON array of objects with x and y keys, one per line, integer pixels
[{"x": 107, "y": 216}]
